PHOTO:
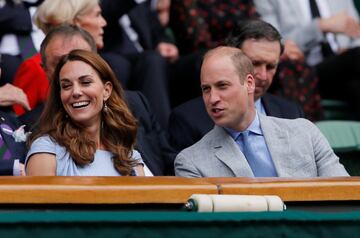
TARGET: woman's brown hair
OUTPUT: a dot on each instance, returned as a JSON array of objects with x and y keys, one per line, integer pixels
[{"x": 118, "y": 126}]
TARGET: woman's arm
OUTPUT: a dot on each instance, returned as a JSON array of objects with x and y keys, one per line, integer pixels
[
  {"x": 41, "y": 164},
  {"x": 139, "y": 169}
]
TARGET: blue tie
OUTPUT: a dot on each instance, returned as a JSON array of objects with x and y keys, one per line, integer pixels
[{"x": 261, "y": 167}]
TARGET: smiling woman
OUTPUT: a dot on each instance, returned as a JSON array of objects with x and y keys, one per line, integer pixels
[{"x": 86, "y": 127}]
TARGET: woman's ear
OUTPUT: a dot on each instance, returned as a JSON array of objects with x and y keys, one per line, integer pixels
[{"x": 107, "y": 90}]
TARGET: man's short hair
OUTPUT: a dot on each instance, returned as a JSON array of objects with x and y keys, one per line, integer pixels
[
  {"x": 66, "y": 31},
  {"x": 241, "y": 62},
  {"x": 253, "y": 29}
]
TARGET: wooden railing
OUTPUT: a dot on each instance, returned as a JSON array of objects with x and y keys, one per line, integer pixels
[{"x": 169, "y": 190}]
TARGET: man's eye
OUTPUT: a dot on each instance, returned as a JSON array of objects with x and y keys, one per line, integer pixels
[
  {"x": 271, "y": 67},
  {"x": 205, "y": 89},
  {"x": 255, "y": 64}
]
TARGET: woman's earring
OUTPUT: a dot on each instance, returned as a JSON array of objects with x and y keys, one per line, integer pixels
[{"x": 105, "y": 107}]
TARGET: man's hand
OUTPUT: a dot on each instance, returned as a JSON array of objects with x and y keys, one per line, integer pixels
[
  {"x": 10, "y": 95},
  {"x": 292, "y": 51},
  {"x": 22, "y": 169},
  {"x": 168, "y": 51},
  {"x": 341, "y": 23}
]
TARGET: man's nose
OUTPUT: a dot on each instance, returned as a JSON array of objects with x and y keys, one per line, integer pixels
[
  {"x": 103, "y": 22},
  {"x": 261, "y": 72},
  {"x": 214, "y": 97}
]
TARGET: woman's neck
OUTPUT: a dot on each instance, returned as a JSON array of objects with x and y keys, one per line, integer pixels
[{"x": 94, "y": 133}]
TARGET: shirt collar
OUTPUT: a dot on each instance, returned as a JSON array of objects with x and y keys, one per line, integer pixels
[
  {"x": 260, "y": 106},
  {"x": 253, "y": 128}
]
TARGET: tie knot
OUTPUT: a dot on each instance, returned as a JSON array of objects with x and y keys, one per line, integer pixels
[{"x": 242, "y": 135}]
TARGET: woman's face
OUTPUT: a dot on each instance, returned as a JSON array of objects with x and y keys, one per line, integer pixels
[
  {"x": 83, "y": 93},
  {"x": 93, "y": 22}
]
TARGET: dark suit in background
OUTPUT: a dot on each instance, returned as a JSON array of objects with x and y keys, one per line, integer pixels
[
  {"x": 14, "y": 19},
  {"x": 148, "y": 68},
  {"x": 151, "y": 140},
  {"x": 189, "y": 122}
]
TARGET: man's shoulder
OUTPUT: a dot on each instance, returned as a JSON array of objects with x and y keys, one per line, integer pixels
[{"x": 292, "y": 125}]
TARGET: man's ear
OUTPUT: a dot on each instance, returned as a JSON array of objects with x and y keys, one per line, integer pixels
[
  {"x": 76, "y": 22},
  {"x": 250, "y": 81},
  {"x": 107, "y": 90}
]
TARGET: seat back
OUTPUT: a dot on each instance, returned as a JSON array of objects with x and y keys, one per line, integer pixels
[{"x": 344, "y": 138}]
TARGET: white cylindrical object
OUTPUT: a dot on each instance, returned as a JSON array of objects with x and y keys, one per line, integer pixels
[
  {"x": 203, "y": 202},
  {"x": 239, "y": 203},
  {"x": 275, "y": 203},
  {"x": 236, "y": 203}
]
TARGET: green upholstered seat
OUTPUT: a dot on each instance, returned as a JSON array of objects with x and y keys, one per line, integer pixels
[
  {"x": 344, "y": 138},
  {"x": 336, "y": 110}
]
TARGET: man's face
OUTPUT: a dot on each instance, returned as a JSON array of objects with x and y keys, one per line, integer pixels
[
  {"x": 265, "y": 56},
  {"x": 59, "y": 46},
  {"x": 227, "y": 99}
]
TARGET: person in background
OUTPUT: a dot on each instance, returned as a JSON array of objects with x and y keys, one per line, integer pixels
[
  {"x": 12, "y": 150},
  {"x": 245, "y": 143},
  {"x": 86, "y": 127},
  {"x": 19, "y": 37},
  {"x": 11, "y": 95},
  {"x": 328, "y": 34}
]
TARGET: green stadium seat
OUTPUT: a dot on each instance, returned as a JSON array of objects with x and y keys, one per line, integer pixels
[
  {"x": 336, "y": 110},
  {"x": 344, "y": 138}
]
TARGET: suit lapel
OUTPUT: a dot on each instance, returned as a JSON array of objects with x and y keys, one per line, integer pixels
[
  {"x": 227, "y": 151},
  {"x": 277, "y": 141}
]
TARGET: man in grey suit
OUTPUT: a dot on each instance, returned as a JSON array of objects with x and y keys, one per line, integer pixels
[{"x": 244, "y": 142}]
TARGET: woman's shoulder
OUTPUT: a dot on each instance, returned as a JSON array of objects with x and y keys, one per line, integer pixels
[
  {"x": 135, "y": 154},
  {"x": 43, "y": 141},
  {"x": 44, "y": 144}
]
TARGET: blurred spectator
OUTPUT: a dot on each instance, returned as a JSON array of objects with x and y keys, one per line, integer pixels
[
  {"x": 19, "y": 38},
  {"x": 328, "y": 33},
  {"x": 12, "y": 150}
]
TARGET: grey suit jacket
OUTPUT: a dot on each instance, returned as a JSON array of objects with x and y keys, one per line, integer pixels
[
  {"x": 297, "y": 148},
  {"x": 287, "y": 17}
]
